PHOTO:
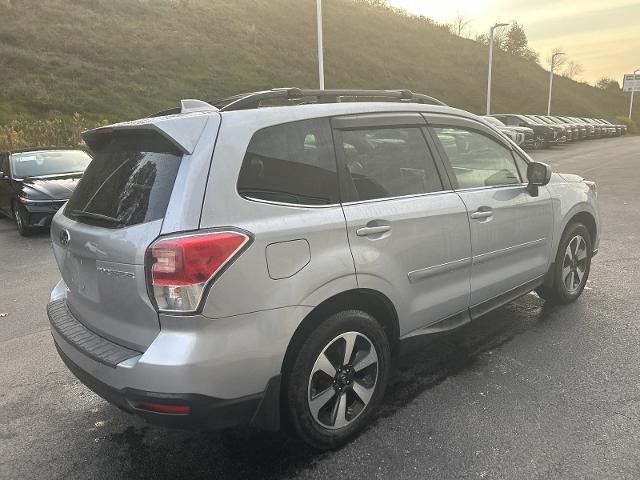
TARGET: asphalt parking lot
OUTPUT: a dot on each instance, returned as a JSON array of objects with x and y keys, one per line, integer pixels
[{"x": 530, "y": 391}]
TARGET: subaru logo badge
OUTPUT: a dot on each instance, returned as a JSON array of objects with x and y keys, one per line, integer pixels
[{"x": 65, "y": 237}]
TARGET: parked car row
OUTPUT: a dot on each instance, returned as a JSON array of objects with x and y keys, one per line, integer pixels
[{"x": 543, "y": 131}]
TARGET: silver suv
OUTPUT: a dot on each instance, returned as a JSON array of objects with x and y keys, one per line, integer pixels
[{"x": 236, "y": 265}]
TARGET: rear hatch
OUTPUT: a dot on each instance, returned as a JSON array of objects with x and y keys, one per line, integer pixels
[{"x": 101, "y": 237}]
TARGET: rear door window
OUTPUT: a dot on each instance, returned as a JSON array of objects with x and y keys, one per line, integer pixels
[
  {"x": 291, "y": 163},
  {"x": 389, "y": 162},
  {"x": 129, "y": 181}
]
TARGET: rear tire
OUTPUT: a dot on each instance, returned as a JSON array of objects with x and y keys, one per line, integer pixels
[
  {"x": 23, "y": 229},
  {"x": 329, "y": 400},
  {"x": 572, "y": 266}
]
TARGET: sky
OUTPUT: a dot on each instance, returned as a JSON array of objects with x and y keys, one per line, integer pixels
[{"x": 601, "y": 35}]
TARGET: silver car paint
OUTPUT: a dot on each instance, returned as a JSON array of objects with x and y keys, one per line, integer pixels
[
  {"x": 248, "y": 320},
  {"x": 103, "y": 300},
  {"x": 422, "y": 263},
  {"x": 226, "y": 358},
  {"x": 512, "y": 245},
  {"x": 116, "y": 307}
]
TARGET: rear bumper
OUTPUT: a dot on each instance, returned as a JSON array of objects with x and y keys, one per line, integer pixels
[
  {"x": 226, "y": 371},
  {"x": 205, "y": 413}
]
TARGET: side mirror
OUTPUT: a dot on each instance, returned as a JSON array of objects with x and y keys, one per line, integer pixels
[
  {"x": 3, "y": 176},
  {"x": 538, "y": 175}
]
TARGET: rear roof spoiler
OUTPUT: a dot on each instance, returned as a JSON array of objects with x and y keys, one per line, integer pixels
[{"x": 183, "y": 131}]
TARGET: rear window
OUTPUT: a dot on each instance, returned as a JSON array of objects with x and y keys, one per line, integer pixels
[
  {"x": 291, "y": 163},
  {"x": 129, "y": 181}
]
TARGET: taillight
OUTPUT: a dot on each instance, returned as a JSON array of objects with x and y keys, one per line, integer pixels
[{"x": 182, "y": 267}]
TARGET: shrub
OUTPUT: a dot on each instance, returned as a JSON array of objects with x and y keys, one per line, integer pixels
[
  {"x": 54, "y": 131},
  {"x": 632, "y": 126}
]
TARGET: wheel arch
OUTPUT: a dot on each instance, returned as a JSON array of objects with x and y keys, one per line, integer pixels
[
  {"x": 580, "y": 216},
  {"x": 588, "y": 220},
  {"x": 371, "y": 301},
  {"x": 579, "y": 213}
]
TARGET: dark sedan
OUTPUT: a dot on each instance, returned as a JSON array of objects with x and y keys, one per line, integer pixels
[{"x": 34, "y": 184}]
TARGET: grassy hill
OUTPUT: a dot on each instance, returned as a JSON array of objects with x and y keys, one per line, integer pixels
[{"x": 120, "y": 59}]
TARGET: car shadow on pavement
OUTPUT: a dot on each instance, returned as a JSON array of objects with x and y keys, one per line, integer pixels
[{"x": 145, "y": 451}]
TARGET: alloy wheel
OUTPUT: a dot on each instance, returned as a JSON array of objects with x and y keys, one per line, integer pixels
[
  {"x": 574, "y": 264},
  {"x": 343, "y": 380}
]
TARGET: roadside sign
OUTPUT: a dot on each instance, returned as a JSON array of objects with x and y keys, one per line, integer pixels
[{"x": 631, "y": 83}]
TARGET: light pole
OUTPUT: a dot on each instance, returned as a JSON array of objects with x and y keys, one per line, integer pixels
[
  {"x": 320, "y": 49},
  {"x": 632, "y": 89},
  {"x": 490, "y": 63},
  {"x": 553, "y": 62}
]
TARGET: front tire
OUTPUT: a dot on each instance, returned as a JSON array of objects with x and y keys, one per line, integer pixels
[
  {"x": 571, "y": 268},
  {"x": 337, "y": 379},
  {"x": 23, "y": 229}
]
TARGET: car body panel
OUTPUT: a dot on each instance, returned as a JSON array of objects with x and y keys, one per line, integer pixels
[
  {"x": 323, "y": 228},
  {"x": 512, "y": 246},
  {"x": 104, "y": 272},
  {"x": 571, "y": 196},
  {"x": 184, "y": 354},
  {"x": 434, "y": 263},
  {"x": 422, "y": 262}
]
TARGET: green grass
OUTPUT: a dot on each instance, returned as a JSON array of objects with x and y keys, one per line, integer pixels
[{"x": 121, "y": 59}]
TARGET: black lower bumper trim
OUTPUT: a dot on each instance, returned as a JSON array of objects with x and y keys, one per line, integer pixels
[{"x": 206, "y": 413}]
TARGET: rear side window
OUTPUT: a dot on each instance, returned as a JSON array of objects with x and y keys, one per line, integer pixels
[
  {"x": 129, "y": 181},
  {"x": 291, "y": 163},
  {"x": 389, "y": 162}
]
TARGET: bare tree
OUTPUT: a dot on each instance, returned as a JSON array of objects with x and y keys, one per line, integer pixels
[
  {"x": 460, "y": 25},
  {"x": 573, "y": 70},
  {"x": 558, "y": 61}
]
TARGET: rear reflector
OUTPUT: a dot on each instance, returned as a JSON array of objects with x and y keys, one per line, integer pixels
[
  {"x": 182, "y": 267},
  {"x": 164, "y": 408}
]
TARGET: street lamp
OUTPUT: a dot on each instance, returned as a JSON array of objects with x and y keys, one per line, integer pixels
[
  {"x": 632, "y": 89},
  {"x": 553, "y": 62},
  {"x": 497, "y": 25},
  {"x": 320, "y": 49}
]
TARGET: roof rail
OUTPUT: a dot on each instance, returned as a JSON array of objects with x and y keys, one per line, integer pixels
[{"x": 252, "y": 100}]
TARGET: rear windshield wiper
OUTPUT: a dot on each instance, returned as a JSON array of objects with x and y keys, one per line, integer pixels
[{"x": 96, "y": 216}]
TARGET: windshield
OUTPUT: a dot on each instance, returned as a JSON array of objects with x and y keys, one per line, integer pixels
[{"x": 37, "y": 164}]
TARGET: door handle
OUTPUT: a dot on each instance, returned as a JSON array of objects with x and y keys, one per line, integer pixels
[
  {"x": 364, "y": 231},
  {"x": 480, "y": 214}
]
